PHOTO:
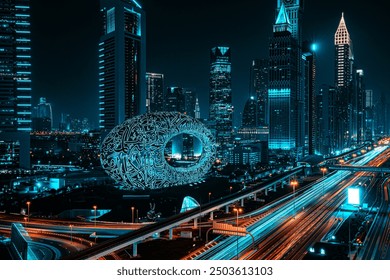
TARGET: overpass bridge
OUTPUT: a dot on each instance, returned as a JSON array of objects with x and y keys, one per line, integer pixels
[
  {"x": 135, "y": 237},
  {"x": 355, "y": 168}
]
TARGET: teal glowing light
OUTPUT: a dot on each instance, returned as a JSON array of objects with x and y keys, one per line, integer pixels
[{"x": 314, "y": 47}]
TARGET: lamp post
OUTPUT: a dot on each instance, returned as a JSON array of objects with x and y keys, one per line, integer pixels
[
  {"x": 28, "y": 211},
  {"x": 132, "y": 214},
  {"x": 230, "y": 188},
  {"x": 294, "y": 183},
  {"x": 209, "y": 196},
  {"x": 323, "y": 169},
  {"x": 71, "y": 227},
  {"x": 237, "y": 210},
  {"x": 136, "y": 220},
  {"x": 95, "y": 207}
]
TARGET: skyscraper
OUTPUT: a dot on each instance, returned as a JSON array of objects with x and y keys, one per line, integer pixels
[
  {"x": 259, "y": 88},
  {"x": 250, "y": 113},
  {"x": 42, "y": 118},
  {"x": 15, "y": 66},
  {"x": 154, "y": 92},
  {"x": 309, "y": 74},
  {"x": 122, "y": 85},
  {"x": 190, "y": 101},
  {"x": 174, "y": 100},
  {"x": 220, "y": 100},
  {"x": 283, "y": 85},
  {"x": 15, "y": 80},
  {"x": 343, "y": 79},
  {"x": 294, "y": 10}
]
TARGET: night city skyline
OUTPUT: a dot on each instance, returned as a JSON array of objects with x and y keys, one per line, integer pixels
[
  {"x": 64, "y": 52},
  {"x": 189, "y": 130}
]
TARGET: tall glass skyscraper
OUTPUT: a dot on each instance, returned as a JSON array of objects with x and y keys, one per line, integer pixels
[
  {"x": 122, "y": 85},
  {"x": 343, "y": 82},
  {"x": 259, "y": 88},
  {"x": 220, "y": 101},
  {"x": 154, "y": 92},
  {"x": 15, "y": 66},
  {"x": 283, "y": 85}
]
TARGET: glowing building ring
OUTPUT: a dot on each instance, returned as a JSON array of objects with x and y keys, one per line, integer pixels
[{"x": 133, "y": 152}]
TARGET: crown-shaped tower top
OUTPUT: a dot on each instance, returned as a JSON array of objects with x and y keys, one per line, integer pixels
[{"x": 342, "y": 35}]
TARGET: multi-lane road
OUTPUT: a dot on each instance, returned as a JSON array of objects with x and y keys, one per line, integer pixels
[{"x": 279, "y": 235}]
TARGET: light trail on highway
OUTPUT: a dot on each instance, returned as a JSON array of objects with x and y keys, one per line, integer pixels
[{"x": 227, "y": 248}]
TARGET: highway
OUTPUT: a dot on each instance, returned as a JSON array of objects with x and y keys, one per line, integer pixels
[
  {"x": 377, "y": 241},
  {"x": 283, "y": 217},
  {"x": 123, "y": 241}
]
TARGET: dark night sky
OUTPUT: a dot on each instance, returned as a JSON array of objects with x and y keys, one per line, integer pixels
[{"x": 179, "y": 36}]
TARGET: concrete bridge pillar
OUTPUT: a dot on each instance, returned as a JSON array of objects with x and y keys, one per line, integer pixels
[
  {"x": 255, "y": 196},
  {"x": 275, "y": 188},
  {"x": 227, "y": 209},
  {"x": 242, "y": 202},
  {"x": 170, "y": 233},
  {"x": 196, "y": 223},
  {"x": 266, "y": 192},
  {"x": 212, "y": 215},
  {"x": 135, "y": 249}
]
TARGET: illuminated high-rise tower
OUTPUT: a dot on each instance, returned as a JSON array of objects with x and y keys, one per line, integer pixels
[
  {"x": 221, "y": 108},
  {"x": 154, "y": 92},
  {"x": 259, "y": 88},
  {"x": 294, "y": 13},
  {"x": 344, "y": 59},
  {"x": 122, "y": 85},
  {"x": 283, "y": 85},
  {"x": 294, "y": 10},
  {"x": 15, "y": 66}
]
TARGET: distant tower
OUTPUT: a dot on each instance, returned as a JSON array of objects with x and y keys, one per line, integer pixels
[
  {"x": 42, "y": 119},
  {"x": 190, "y": 101},
  {"x": 154, "y": 92},
  {"x": 15, "y": 66},
  {"x": 122, "y": 92},
  {"x": 197, "y": 109},
  {"x": 343, "y": 82},
  {"x": 174, "y": 100},
  {"x": 259, "y": 88},
  {"x": 250, "y": 114},
  {"x": 220, "y": 101},
  {"x": 309, "y": 57},
  {"x": 283, "y": 85}
]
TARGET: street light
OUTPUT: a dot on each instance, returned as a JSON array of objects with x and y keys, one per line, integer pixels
[
  {"x": 323, "y": 169},
  {"x": 209, "y": 196},
  {"x": 230, "y": 188},
  {"x": 237, "y": 210},
  {"x": 95, "y": 207},
  {"x": 132, "y": 214},
  {"x": 71, "y": 227},
  {"x": 136, "y": 220},
  {"x": 294, "y": 183},
  {"x": 28, "y": 211}
]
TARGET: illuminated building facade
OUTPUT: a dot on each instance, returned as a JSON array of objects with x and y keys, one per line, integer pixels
[
  {"x": 15, "y": 66},
  {"x": 309, "y": 71},
  {"x": 154, "y": 92},
  {"x": 122, "y": 85},
  {"x": 250, "y": 113},
  {"x": 259, "y": 88},
  {"x": 344, "y": 60},
  {"x": 133, "y": 152},
  {"x": 220, "y": 99},
  {"x": 42, "y": 116},
  {"x": 174, "y": 100},
  {"x": 283, "y": 85},
  {"x": 358, "y": 107}
]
